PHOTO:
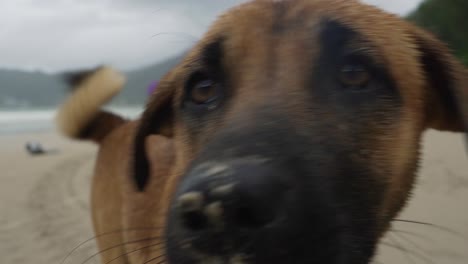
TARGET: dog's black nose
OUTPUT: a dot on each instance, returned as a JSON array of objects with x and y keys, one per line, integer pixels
[{"x": 239, "y": 195}]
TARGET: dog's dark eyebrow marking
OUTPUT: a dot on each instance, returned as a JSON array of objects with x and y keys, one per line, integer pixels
[
  {"x": 212, "y": 54},
  {"x": 341, "y": 45},
  {"x": 339, "y": 41},
  {"x": 335, "y": 36}
]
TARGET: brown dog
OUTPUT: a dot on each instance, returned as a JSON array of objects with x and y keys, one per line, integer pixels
[{"x": 289, "y": 134}]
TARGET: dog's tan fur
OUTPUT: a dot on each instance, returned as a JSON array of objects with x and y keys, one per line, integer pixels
[{"x": 118, "y": 206}]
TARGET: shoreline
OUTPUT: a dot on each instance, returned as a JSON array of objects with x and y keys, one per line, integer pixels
[{"x": 24, "y": 121}]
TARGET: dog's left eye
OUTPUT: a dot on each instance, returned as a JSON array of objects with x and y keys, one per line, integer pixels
[
  {"x": 354, "y": 76},
  {"x": 202, "y": 90}
]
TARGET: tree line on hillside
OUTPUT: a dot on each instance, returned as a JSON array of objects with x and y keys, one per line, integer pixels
[
  {"x": 447, "y": 19},
  {"x": 32, "y": 90}
]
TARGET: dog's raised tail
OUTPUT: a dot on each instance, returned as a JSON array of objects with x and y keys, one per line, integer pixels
[{"x": 81, "y": 116}]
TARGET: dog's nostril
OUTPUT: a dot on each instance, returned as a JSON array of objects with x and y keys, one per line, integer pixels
[
  {"x": 248, "y": 217},
  {"x": 194, "y": 220},
  {"x": 244, "y": 217},
  {"x": 190, "y": 207}
]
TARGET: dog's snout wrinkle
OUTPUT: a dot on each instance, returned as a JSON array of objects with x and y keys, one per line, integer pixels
[
  {"x": 190, "y": 202},
  {"x": 224, "y": 168},
  {"x": 212, "y": 169},
  {"x": 222, "y": 190}
]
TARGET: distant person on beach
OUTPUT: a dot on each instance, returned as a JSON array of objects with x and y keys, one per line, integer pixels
[{"x": 35, "y": 149}]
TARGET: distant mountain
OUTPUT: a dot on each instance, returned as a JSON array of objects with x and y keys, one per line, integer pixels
[
  {"x": 29, "y": 89},
  {"x": 23, "y": 90},
  {"x": 135, "y": 92}
]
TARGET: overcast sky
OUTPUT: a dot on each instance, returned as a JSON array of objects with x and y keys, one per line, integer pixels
[{"x": 54, "y": 35}]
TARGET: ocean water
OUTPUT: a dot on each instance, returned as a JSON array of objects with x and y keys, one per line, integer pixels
[{"x": 37, "y": 121}]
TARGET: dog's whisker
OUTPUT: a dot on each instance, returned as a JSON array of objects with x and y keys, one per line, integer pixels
[
  {"x": 156, "y": 258},
  {"x": 410, "y": 233},
  {"x": 136, "y": 250},
  {"x": 410, "y": 242},
  {"x": 404, "y": 252},
  {"x": 119, "y": 245},
  {"x": 413, "y": 222},
  {"x": 413, "y": 253},
  {"x": 106, "y": 234},
  {"x": 162, "y": 262},
  {"x": 434, "y": 226}
]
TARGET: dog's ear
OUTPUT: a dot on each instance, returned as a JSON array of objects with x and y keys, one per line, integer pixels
[
  {"x": 157, "y": 119},
  {"x": 447, "y": 81}
]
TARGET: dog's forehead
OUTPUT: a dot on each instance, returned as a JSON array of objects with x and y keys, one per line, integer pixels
[
  {"x": 265, "y": 18},
  {"x": 251, "y": 30}
]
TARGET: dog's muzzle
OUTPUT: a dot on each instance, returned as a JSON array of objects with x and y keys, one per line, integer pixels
[
  {"x": 220, "y": 206},
  {"x": 246, "y": 210}
]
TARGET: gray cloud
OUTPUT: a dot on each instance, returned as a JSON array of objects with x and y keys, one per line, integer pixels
[{"x": 62, "y": 34}]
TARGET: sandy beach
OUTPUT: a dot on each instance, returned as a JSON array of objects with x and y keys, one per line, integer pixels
[
  {"x": 45, "y": 208},
  {"x": 44, "y": 200}
]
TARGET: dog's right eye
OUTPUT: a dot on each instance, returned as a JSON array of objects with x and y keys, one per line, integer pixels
[
  {"x": 203, "y": 91},
  {"x": 354, "y": 75}
]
